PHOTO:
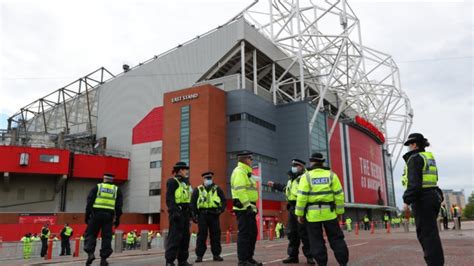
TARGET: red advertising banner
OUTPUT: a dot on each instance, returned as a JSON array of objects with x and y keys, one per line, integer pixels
[
  {"x": 37, "y": 219},
  {"x": 368, "y": 176}
]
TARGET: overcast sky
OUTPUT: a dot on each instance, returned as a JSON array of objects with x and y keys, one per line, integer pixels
[{"x": 47, "y": 44}]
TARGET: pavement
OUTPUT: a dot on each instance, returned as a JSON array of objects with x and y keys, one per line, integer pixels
[{"x": 380, "y": 248}]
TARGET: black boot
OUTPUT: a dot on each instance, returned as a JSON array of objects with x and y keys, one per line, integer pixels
[
  {"x": 184, "y": 264},
  {"x": 198, "y": 259},
  {"x": 217, "y": 258},
  {"x": 103, "y": 262},
  {"x": 310, "y": 261},
  {"x": 290, "y": 260},
  {"x": 254, "y": 262},
  {"x": 90, "y": 258}
]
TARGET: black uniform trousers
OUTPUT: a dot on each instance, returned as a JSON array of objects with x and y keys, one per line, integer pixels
[
  {"x": 366, "y": 226},
  {"x": 177, "y": 241},
  {"x": 247, "y": 236},
  {"x": 44, "y": 246},
  {"x": 100, "y": 221},
  {"x": 208, "y": 222},
  {"x": 65, "y": 246},
  {"x": 426, "y": 210},
  {"x": 445, "y": 222},
  {"x": 335, "y": 238},
  {"x": 297, "y": 233}
]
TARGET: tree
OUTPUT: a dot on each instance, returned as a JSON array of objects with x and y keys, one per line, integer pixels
[{"x": 468, "y": 211}]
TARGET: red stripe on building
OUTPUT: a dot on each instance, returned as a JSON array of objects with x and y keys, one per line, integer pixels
[{"x": 150, "y": 128}]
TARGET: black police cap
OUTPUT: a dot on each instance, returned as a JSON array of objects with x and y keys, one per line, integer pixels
[
  {"x": 180, "y": 165},
  {"x": 207, "y": 174},
  {"x": 298, "y": 162},
  {"x": 245, "y": 154},
  {"x": 317, "y": 157},
  {"x": 415, "y": 138}
]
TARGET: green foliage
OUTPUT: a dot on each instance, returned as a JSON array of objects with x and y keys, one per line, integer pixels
[{"x": 468, "y": 211}]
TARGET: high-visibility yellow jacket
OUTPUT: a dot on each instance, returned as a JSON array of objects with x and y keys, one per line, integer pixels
[
  {"x": 243, "y": 188},
  {"x": 320, "y": 196}
]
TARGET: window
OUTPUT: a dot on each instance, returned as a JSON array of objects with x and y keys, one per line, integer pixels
[
  {"x": 49, "y": 158},
  {"x": 184, "y": 133},
  {"x": 155, "y": 189},
  {"x": 156, "y": 150},
  {"x": 20, "y": 195},
  {"x": 318, "y": 138},
  {"x": 155, "y": 164},
  {"x": 253, "y": 119}
]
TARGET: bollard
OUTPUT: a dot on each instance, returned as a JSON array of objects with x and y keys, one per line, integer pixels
[
  {"x": 77, "y": 244},
  {"x": 388, "y": 227},
  {"x": 271, "y": 235},
  {"x": 49, "y": 254},
  {"x": 456, "y": 223},
  {"x": 144, "y": 240},
  {"x": 406, "y": 228},
  {"x": 357, "y": 229},
  {"x": 372, "y": 227},
  {"x": 227, "y": 237},
  {"x": 118, "y": 241}
]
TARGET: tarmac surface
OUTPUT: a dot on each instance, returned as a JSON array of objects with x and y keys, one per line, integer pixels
[{"x": 380, "y": 248}]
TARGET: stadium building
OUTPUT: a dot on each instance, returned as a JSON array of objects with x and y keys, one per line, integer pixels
[{"x": 283, "y": 86}]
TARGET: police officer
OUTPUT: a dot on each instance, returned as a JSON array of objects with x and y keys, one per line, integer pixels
[
  {"x": 366, "y": 223},
  {"x": 444, "y": 215},
  {"x": 178, "y": 198},
  {"x": 244, "y": 198},
  {"x": 296, "y": 232},
  {"x": 103, "y": 210},
  {"x": 207, "y": 203},
  {"x": 45, "y": 233},
  {"x": 456, "y": 216},
  {"x": 320, "y": 201},
  {"x": 386, "y": 220},
  {"x": 66, "y": 234},
  {"x": 349, "y": 224},
  {"x": 27, "y": 239},
  {"x": 420, "y": 180}
]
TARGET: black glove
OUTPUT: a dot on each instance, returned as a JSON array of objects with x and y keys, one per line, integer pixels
[
  {"x": 117, "y": 222},
  {"x": 249, "y": 210}
]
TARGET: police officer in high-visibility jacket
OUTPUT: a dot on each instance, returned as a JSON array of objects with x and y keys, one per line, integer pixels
[
  {"x": 420, "y": 179},
  {"x": 320, "y": 201},
  {"x": 103, "y": 210},
  {"x": 178, "y": 199},
  {"x": 296, "y": 232},
  {"x": 27, "y": 239},
  {"x": 45, "y": 233},
  {"x": 66, "y": 234},
  {"x": 207, "y": 204},
  {"x": 244, "y": 199}
]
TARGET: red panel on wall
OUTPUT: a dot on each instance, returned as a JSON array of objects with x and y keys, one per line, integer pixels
[
  {"x": 367, "y": 168},
  {"x": 335, "y": 151},
  {"x": 150, "y": 128},
  {"x": 10, "y": 160},
  {"x": 94, "y": 166}
]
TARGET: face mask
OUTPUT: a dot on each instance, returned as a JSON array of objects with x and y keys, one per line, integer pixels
[
  {"x": 207, "y": 182},
  {"x": 294, "y": 169}
]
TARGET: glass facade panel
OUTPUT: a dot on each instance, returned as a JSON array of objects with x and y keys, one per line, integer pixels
[{"x": 184, "y": 133}]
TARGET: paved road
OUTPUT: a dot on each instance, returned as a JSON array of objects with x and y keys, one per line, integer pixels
[{"x": 397, "y": 248}]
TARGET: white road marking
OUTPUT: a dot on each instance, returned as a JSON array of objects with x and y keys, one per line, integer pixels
[{"x": 273, "y": 261}]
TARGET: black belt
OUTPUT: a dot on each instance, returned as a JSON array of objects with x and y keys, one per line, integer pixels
[{"x": 292, "y": 202}]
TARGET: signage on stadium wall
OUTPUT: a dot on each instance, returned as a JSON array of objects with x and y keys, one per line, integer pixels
[
  {"x": 184, "y": 97},
  {"x": 370, "y": 128},
  {"x": 367, "y": 168},
  {"x": 27, "y": 218}
]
